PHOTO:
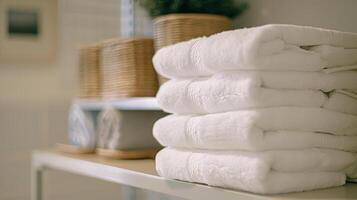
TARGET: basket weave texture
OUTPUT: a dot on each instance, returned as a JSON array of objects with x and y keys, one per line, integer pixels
[
  {"x": 127, "y": 68},
  {"x": 89, "y": 72},
  {"x": 173, "y": 28}
]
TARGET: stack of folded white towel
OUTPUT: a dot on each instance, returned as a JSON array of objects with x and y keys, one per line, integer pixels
[{"x": 270, "y": 109}]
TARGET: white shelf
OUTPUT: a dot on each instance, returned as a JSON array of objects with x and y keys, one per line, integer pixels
[
  {"x": 142, "y": 174},
  {"x": 135, "y": 103}
]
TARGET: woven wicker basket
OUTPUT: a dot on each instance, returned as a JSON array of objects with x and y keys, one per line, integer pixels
[
  {"x": 89, "y": 72},
  {"x": 174, "y": 28},
  {"x": 127, "y": 68}
]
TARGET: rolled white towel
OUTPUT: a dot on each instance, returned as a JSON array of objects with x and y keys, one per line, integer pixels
[
  {"x": 274, "y": 47},
  {"x": 122, "y": 130},
  {"x": 109, "y": 128},
  {"x": 81, "y": 128},
  {"x": 267, "y": 172}
]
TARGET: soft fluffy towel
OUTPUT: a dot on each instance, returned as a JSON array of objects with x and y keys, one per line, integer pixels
[
  {"x": 109, "y": 123},
  {"x": 261, "y": 172},
  {"x": 252, "y": 139},
  {"x": 342, "y": 101},
  {"x": 260, "y": 129},
  {"x": 224, "y": 93},
  {"x": 252, "y": 89},
  {"x": 269, "y": 47},
  {"x": 125, "y": 130},
  {"x": 81, "y": 127}
]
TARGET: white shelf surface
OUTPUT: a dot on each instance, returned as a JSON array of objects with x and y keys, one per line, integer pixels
[
  {"x": 132, "y": 103},
  {"x": 142, "y": 174}
]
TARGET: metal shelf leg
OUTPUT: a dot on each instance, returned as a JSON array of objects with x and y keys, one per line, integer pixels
[{"x": 36, "y": 183}]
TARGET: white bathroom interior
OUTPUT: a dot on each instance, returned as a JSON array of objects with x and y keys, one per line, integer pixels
[{"x": 39, "y": 80}]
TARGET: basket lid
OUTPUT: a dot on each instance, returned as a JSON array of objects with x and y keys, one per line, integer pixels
[
  {"x": 115, "y": 41},
  {"x": 204, "y": 16}
]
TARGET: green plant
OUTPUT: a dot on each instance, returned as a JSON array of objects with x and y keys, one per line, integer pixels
[{"x": 229, "y": 8}]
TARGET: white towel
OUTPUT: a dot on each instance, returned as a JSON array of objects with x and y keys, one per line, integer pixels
[
  {"x": 109, "y": 128},
  {"x": 119, "y": 130},
  {"x": 223, "y": 94},
  {"x": 260, "y": 129},
  {"x": 342, "y": 101},
  {"x": 81, "y": 127},
  {"x": 261, "y": 172},
  {"x": 252, "y": 89},
  {"x": 171, "y": 132},
  {"x": 269, "y": 47}
]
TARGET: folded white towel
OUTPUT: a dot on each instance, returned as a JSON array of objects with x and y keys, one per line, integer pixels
[
  {"x": 252, "y": 89},
  {"x": 81, "y": 127},
  {"x": 260, "y": 129},
  {"x": 226, "y": 94},
  {"x": 269, "y": 47},
  {"x": 342, "y": 101},
  {"x": 262, "y": 172},
  {"x": 184, "y": 132}
]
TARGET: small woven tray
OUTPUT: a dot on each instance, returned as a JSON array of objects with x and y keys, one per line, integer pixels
[
  {"x": 67, "y": 148},
  {"x": 127, "y": 154}
]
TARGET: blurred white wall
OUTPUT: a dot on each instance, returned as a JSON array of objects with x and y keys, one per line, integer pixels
[
  {"x": 34, "y": 101},
  {"x": 333, "y": 14}
]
